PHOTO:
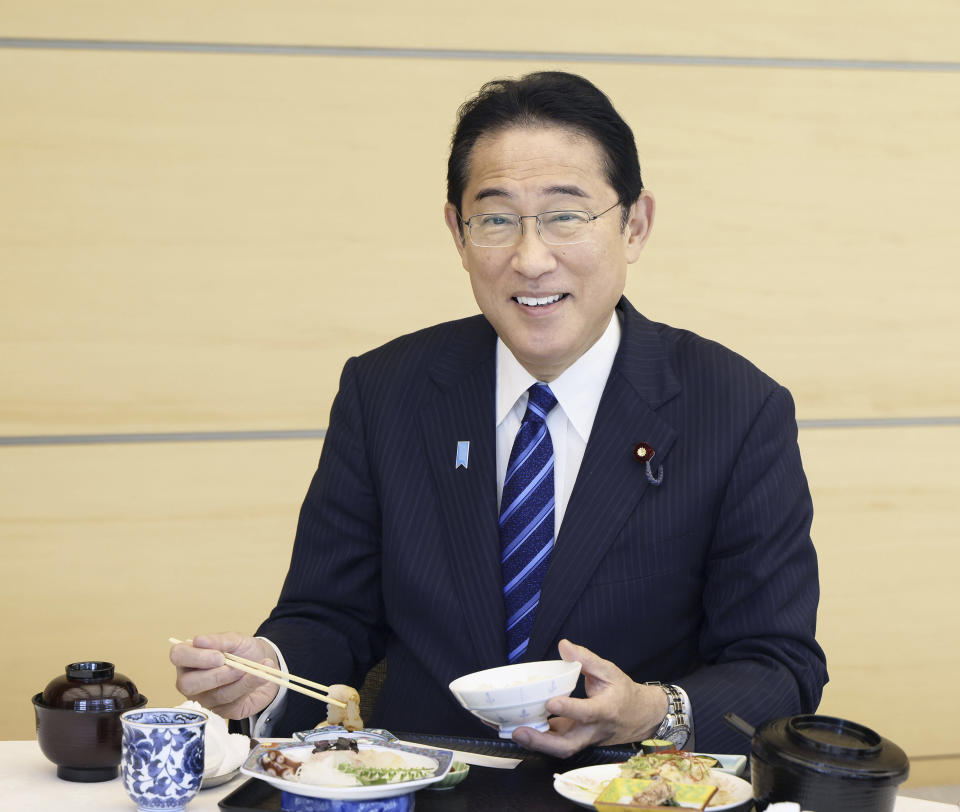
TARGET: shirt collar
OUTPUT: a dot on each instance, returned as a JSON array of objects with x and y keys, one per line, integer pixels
[{"x": 577, "y": 389}]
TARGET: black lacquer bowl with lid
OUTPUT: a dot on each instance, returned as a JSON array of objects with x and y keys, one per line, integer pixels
[
  {"x": 827, "y": 764},
  {"x": 78, "y": 720}
]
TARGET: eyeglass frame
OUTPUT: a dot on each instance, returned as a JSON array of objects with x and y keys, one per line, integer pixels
[{"x": 521, "y": 217}]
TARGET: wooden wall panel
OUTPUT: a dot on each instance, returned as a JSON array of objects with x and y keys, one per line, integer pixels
[
  {"x": 110, "y": 550},
  {"x": 199, "y": 242},
  {"x": 896, "y": 29},
  {"x": 885, "y": 527}
]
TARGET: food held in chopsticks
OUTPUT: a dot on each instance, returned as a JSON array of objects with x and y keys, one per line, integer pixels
[
  {"x": 347, "y": 716},
  {"x": 348, "y": 767}
]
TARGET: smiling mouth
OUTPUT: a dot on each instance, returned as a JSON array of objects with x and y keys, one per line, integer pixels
[{"x": 539, "y": 301}]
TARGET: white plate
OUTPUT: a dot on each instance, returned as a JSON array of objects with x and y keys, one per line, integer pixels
[
  {"x": 298, "y": 751},
  {"x": 216, "y": 780},
  {"x": 598, "y": 776}
]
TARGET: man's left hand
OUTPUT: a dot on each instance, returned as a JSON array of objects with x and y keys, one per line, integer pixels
[{"x": 616, "y": 709}]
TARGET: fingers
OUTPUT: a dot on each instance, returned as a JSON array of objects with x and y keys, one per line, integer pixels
[
  {"x": 564, "y": 738},
  {"x": 192, "y": 682},
  {"x": 569, "y": 651},
  {"x": 579, "y": 723},
  {"x": 600, "y": 677},
  {"x": 204, "y": 651},
  {"x": 605, "y": 702},
  {"x": 231, "y": 642},
  {"x": 186, "y": 655},
  {"x": 616, "y": 709},
  {"x": 585, "y": 711},
  {"x": 590, "y": 663},
  {"x": 203, "y": 674},
  {"x": 226, "y": 691},
  {"x": 241, "y": 697}
]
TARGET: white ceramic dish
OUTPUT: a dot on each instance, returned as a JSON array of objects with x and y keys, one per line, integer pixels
[
  {"x": 733, "y": 764},
  {"x": 457, "y": 773},
  {"x": 512, "y": 696},
  {"x": 298, "y": 751},
  {"x": 368, "y": 735},
  {"x": 573, "y": 785},
  {"x": 218, "y": 780}
]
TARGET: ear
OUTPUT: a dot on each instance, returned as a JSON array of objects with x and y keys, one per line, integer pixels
[
  {"x": 639, "y": 225},
  {"x": 452, "y": 219}
]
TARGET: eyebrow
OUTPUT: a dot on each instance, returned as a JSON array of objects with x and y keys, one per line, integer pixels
[
  {"x": 560, "y": 189},
  {"x": 570, "y": 191},
  {"x": 491, "y": 191}
]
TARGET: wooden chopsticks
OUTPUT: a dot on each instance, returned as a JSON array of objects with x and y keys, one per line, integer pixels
[{"x": 276, "y": 676}]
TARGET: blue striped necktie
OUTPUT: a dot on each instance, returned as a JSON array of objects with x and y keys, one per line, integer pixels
[{"x": 526, "y": 519}]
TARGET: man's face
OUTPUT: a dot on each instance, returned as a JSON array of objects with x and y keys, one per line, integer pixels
[{"x": 529, "y": 170}]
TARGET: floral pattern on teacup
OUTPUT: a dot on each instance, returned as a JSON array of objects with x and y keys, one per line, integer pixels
[{"x": 162, "y": 761}]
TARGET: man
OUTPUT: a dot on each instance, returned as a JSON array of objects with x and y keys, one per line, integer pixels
[{"x": 558, "y": 475}]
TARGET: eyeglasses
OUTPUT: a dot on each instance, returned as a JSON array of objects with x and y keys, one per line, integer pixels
[{"x": 498, "y": 230}]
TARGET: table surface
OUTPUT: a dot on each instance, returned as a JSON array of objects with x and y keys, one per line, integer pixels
[{"x": 28, "y": 782}]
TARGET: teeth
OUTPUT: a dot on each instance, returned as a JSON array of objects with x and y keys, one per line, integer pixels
[{"x": 536, "y": 302}]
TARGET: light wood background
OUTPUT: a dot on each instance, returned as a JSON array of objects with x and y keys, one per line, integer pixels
[{"x": 197, "y": 241}]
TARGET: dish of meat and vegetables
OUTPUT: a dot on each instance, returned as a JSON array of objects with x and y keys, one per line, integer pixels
[
  {"x": 661, "y": 774},
  {"x": 347, "y": 768}
]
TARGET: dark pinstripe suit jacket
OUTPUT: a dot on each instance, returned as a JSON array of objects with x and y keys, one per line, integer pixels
[{"x": 708, "y": 581}]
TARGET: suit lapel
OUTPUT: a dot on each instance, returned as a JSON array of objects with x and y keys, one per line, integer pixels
[
  {"x": 611, "y": 483},
  {"x": 463, "y": 410}
]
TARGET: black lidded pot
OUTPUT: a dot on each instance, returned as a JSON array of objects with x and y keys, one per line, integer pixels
[
  {"x": 91, "y": 686},
  {"x": 827, "y": 764},
  {"x": 78, "y": 720}
]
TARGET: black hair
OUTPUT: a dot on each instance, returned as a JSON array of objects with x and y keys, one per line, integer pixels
[{"x": 552, "y": 98}]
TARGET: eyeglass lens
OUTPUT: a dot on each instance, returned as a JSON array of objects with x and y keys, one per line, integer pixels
[{"x": 556, "y": 227}]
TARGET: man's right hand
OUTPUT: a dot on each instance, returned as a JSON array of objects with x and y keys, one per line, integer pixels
[{"x": 202, "y": 674}]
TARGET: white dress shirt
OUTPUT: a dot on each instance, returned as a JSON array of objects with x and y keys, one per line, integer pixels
[{"x": 577, "y": 390}]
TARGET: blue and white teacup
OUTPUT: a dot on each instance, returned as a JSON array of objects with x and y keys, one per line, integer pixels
[{"x": 162, "y": 757}]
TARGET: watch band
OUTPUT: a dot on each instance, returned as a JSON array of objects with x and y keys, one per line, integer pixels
[{"x": 677, "y": 724}]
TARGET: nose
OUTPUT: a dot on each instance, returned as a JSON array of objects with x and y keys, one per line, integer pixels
[{"x": 532, "y": 257}]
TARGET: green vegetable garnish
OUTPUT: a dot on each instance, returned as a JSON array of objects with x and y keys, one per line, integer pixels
[{"x": 385, "y": 775}]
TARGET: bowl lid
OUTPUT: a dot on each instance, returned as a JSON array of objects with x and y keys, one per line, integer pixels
[
  {"x": 91, "y": 686},
  {"x": 831, "y": 746}
]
